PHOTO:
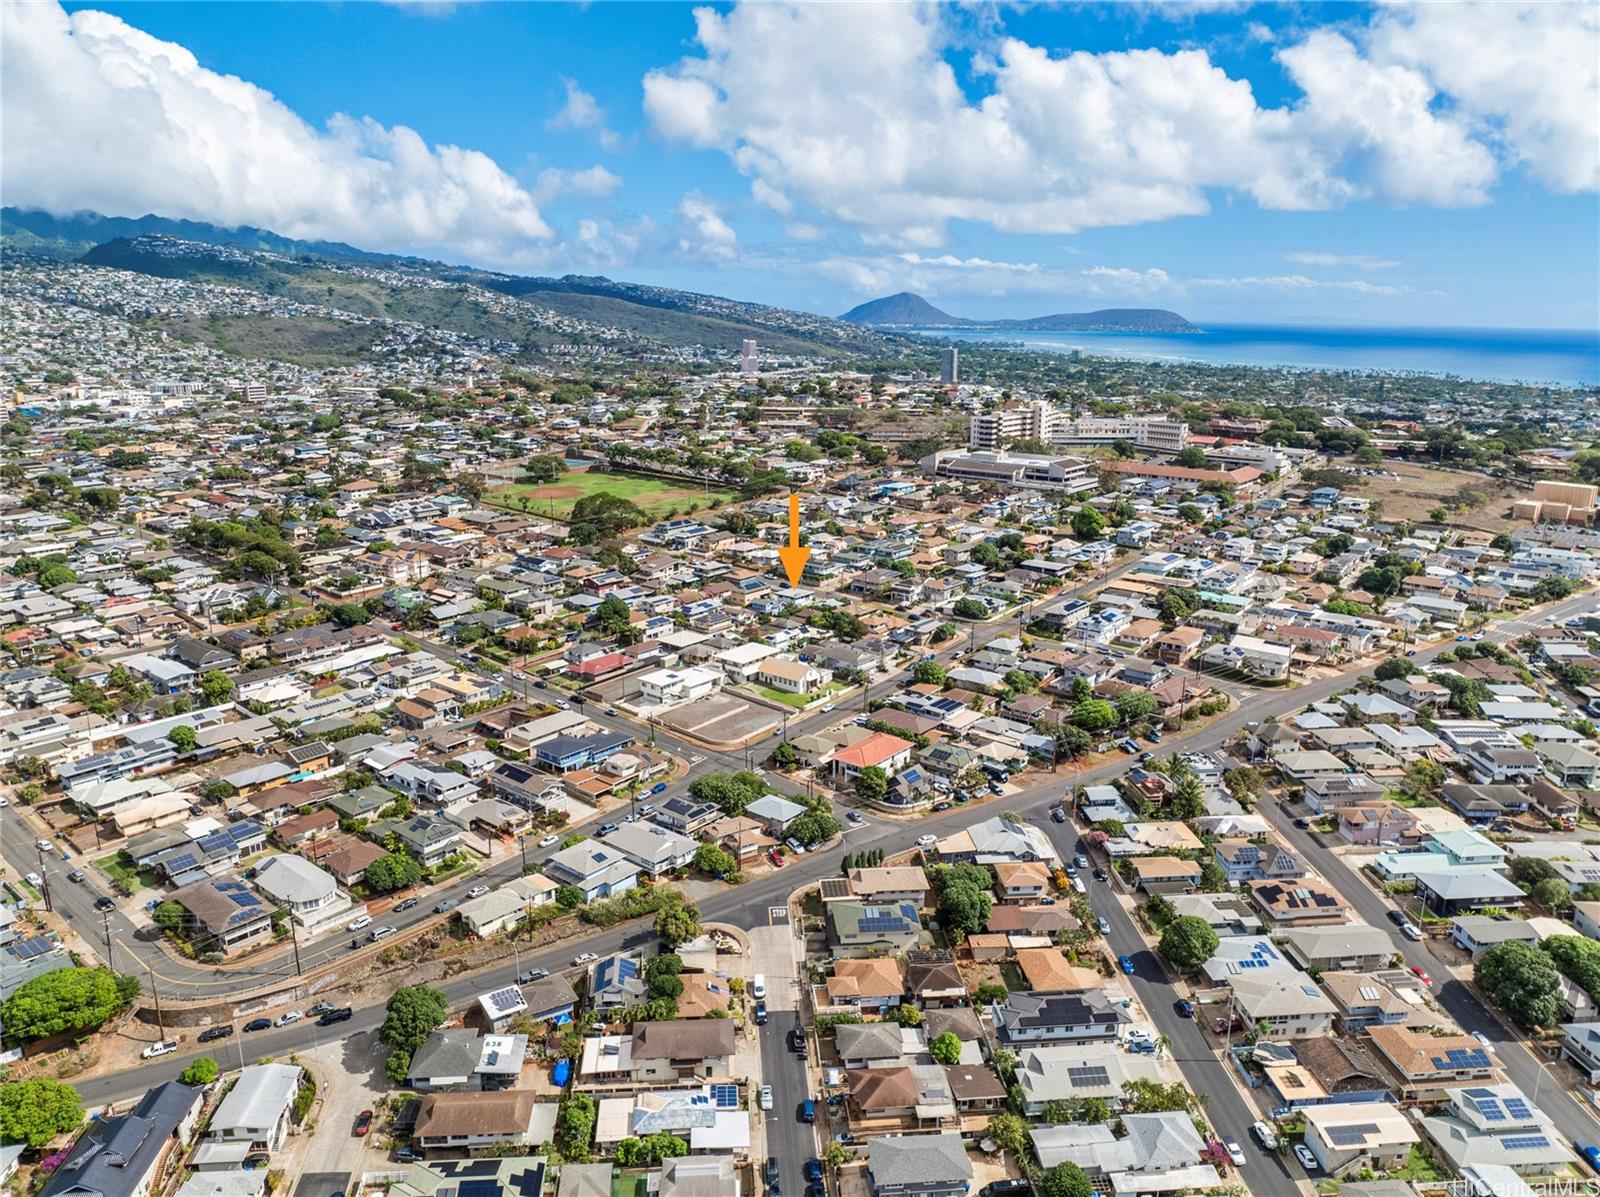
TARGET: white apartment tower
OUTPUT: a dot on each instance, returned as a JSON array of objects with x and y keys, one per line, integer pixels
[
  {"x": 1056, "y": 426},
  {"x": 747, "y": 356}
]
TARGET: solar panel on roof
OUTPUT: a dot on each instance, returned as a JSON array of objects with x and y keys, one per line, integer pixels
[
  {"x": 1088, "y": 1076},
  {"x": 1346, "y": 1136},
  {"x": 1518, "y": 1108},
  {"x": 1524, "y": 1142},
  {"x": 27, "y": 949},
  {"x": 1489, "y": 1107},
  {"x": 726, "y": 1097}
]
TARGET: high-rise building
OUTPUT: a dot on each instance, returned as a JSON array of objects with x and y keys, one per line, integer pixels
[
  {"x": 1057, "y": 427},
  {"x": 949, "y": 365},
  {"x": 747, "y": 356}
]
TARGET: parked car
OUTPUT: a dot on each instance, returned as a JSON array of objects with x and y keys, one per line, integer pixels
[
  {"x": 378, "y": 933},
  {"x": 806, "y": 1111},
  {"x": 549, "y": 840},
  {"x": 104, "y": 903},
  {"x": 77, "y": 875},
  {"x": 319, "y": 1008},
  {"x": 477, "y": 891},
  {"x": 212, "y": 1034},
  {"x": 1265, "y": 1135},
  {"x": 287, "y": 1017},
  {"x": 1125, "y": 963},
  {"x": 761, "y": 1014},
  {"x": 1422, "y": 974},
  {"x": 1307, "y": 1160},
  {"x": 44, "y": 846},
  {"x": 584, "y": 958},
  {"x": 1590, "y": 1154},
  {"x": 329, "y": 1017},
  {"x": 34, "y": 880},
  {"x": 1223, "y": 1026},
  {"x": 363, "y": 1123},
  {"x": 927, "y": 841},
  {"x": 357, "y": 924},
  {"x": 1303, "y": 823},
  {"x": 828, "y": 706},
  {"x": 606, "y": 829},
  {"x": 795, "y": 846},
  {"x": 159, "y": 1049},
  {"x": 446, "y": 904},
  {"x": 258, "y": 1024},
  {"x": 813, "y": 1170},
  {"x": 1104, "y": 925},
  {"x": 1079, "y": 886},
  {"x": 770, "y": 1170},
  {"x": 1057, "y": 815},
  {"x": 1184, "y": 1007},
  {"x": 853, "y": 815},
  {"x": 766, "y": 1097},
  {"x": 405, "y": 904},
  {"x": 1101, "y": 875},
  {"x": 1081, "y": 861},
  {"x": 1411, "y": 931},
  {"x": 775, "y": 857},
  {"x": 1235, "y": 1152},
  {"x": 943, "y": 806},
  {"x": 1483, "y": 1039},
  {"x": 529, "y": 975},
  {"x": 1396, "y": 917}
]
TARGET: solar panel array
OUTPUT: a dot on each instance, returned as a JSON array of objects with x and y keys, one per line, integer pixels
[
  {"x": 1462, "y": 1057},
  {"x": 726, "y": 1097},
  {"x": 509, "y": 998},
  {"x": 882, "y": 922},
  {"x": 1525, "y": 1142},
  {"x": 1351, "y": 1136},
  {"x": 1088, "y": 1076},
  {"x": 1519, "y": 1109}
]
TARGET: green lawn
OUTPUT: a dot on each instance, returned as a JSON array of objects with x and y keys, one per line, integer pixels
[
  {"x": 656, "y": 495},
  {"x": 773, "y": 694},
  {"x": 118, "y": 868},
  {"x": 1419, "y": 1165},
  {"x": 630, "y": 1184}
]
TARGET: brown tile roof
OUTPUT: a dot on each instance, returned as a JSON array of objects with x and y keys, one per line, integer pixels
[
  {"x": 507, "y": 1112},
  {"x": 866, "y": 978},
  {"x": 683, "y": 1039},
  {"x": 1412, "y": 1052}
]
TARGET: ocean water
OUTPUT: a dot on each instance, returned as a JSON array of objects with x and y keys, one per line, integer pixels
[{"x": 1569, "y": 358}]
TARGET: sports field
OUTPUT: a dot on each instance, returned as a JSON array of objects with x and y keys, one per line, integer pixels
[{"x": 657, "y": 496}]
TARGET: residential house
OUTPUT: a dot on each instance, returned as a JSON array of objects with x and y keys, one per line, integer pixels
[
  {"x": 1492, "y": 1124},
  {"x": 256, "y": 1110},
  {"x": 477, "y": 1123},
  {"x": 1292, "y": 1008},
  {"x": 1421, "y": 1067},
  {"x": 1351, "y": 1136},
  {"x": 1295, "y": 903},
  {"x": 1344, "y": 945},
  {"x": 1028, "y": 1018},
  {"x": 918, "y": 1166},
  {"x": 866, "y": 929},
  {"x": 594, "y": 868},
  {"x": 125, "y": 1155}
]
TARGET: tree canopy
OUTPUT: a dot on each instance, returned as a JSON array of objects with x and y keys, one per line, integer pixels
[
  {"x": 36, "y": 1111},
  {"x": 1188, "y": 942},
  {"x": 1522, "y": 981},
  {"x": 69, "y": 999},
  {"x": 394, "y": 871}
]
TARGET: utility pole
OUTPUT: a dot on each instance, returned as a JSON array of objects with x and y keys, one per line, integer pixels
[
  {"x": 44, "y": 880},
  {"x": 111, "y": 963},
  {"x": 522, "y": 842},
  {"x": 161, "y": 1022},
  {"x": 294, "y": 943}
]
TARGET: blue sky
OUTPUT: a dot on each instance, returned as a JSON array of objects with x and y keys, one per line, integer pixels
[{"x": 1319, "y": 165}]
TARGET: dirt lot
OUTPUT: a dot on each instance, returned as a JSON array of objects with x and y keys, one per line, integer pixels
[
  {"x": 1418, "y": 489},
  {"x": 722, "y": 719}
]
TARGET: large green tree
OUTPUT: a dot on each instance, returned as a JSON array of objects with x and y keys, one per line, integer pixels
[
  {"x": 413, "y": 1011},
  {"x": 945, "y": 1048},
  {"x": 1066, "y": 1179},
  {"x": 1523, "y": 982},
  {"x": 394, "y": 871},
  {"x": 1188, "y": 942},
  {"x": 677, "y": 923},
  {"x": 69, "y": 999},
  {"x": 35, "y": 1111}
]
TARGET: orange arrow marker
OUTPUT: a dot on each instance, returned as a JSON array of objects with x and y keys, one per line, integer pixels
[{"x": 794, "y": 556}]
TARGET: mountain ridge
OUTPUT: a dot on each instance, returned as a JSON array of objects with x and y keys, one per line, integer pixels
[{"x": 905, "y": 309}]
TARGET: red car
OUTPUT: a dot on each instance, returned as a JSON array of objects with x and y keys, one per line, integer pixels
[
  {"x": 776, "y": 858},
  {"x": 363, "y": 1123},
  {"x": 1422, "y": 974}
]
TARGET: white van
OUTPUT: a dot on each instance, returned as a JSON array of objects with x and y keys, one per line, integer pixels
[
  {"x": 758, "y": 987},
  {"x": 1265, "y": 1135},
  {"x": 1077, "y": 884}
]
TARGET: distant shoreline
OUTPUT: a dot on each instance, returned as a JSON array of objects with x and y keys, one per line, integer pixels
[{"x": 1538, "y": 357}]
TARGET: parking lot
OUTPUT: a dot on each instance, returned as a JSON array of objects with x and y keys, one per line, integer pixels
[{"x": 722, "y": 719}]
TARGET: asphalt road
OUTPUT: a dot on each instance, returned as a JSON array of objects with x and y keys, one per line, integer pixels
[
  {"x": 792, "y": 1141},
  {"x": 1204, "y": 1072}
]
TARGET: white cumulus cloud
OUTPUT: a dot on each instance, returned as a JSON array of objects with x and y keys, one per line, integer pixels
[
  {"x": 594, "y": 182},
  {"x": 102, "y": 116},
  {"x": 702, "y": 232},
  {"x": 856, "y": 110},
  {"x": 583, "y": 111}
]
